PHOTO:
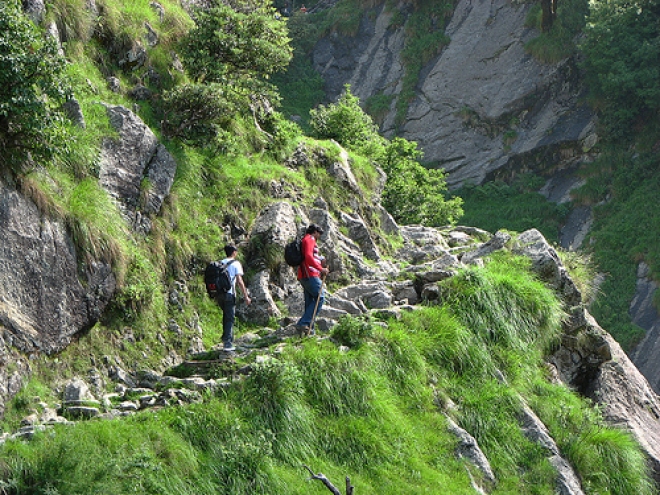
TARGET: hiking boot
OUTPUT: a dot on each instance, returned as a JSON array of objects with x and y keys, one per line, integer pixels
[
  {"x": 303, "y": 330},
  {"x": 228, "y": 348}
]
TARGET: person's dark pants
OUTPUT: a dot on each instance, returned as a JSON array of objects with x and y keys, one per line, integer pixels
[
  {"x": 228, "y": 305},
  {"x": 312, "y": 287}
]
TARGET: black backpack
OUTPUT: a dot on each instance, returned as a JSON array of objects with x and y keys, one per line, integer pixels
[
  {"x": 217, "y": 279},
  {"x": 293, "y": 253}
]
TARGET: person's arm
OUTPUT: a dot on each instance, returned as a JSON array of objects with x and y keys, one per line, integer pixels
[{"x": 241, "y": 284}]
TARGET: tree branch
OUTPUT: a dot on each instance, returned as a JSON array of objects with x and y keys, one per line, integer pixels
[{"x": 326, "y": 481}]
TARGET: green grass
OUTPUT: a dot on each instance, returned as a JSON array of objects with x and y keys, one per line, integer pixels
[
  {"x": 517, "y": 206},
  {"x": 369, "y": 413}
]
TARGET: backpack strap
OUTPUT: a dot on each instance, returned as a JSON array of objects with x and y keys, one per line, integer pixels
[{"x": 231, "y": 279}]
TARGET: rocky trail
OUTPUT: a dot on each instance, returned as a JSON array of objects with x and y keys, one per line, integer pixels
[{"x": 587, "y": 352}]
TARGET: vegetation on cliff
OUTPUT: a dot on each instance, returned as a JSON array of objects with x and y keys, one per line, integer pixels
[
  {"x": 619, "y": 46},
  {"x": 375, "y": 411}
]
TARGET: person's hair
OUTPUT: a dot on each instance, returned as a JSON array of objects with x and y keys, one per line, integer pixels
[
  {"x": 314, "y": 228},
  {"x": 229, "y": 249}
]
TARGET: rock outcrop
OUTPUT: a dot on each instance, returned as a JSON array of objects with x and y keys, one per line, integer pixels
[
  {"x": 45, "y": 296},
  {"x": 135, "y": 169},
  {"x": 646, "y": 354},
  {"x": 485, "y": 108}
]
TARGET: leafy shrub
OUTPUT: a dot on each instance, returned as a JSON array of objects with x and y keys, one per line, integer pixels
[
  {"x": 622, "y": 52},
  {"x": 197, "y": 113},
  {"x": 408, "y": 182},
  {"x": 32, "y": 90},
  {"x": 237, "y": 44},
  {"x": 347, "y": 123},
  {"x": 352, "y": 332}
]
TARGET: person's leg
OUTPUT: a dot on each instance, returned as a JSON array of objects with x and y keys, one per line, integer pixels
[
  {"x": 305, "y": 319},
  {"x": 312, "y": 287},
  {"x": 228, "y": 316},
  {"x": 318, "y": 299}
]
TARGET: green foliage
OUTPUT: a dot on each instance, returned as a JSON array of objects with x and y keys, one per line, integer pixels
[
  {"x": 408, "y": 182},
  {"x": 346, "y": 123},
  {"x": 352, "y": 332},
  {"x": 32, "y": 90},
  {"x": 517, "y": 206},
  {"x": 505, "y": 306},
  {"x": 237, "y": 44},
  {"x": 622, "y": 53},
  {"x": 230, "y": 55},
  {"x": 96, "y": 224},
  {"x": 624, "y": 233},
  {"x": 610, "y": 461},
  {"x": 197, "y": 113},
  {"x": 273, "y": 396},
  {"x": 560, "y": 41},
  {"x": 370, "y": 413}
]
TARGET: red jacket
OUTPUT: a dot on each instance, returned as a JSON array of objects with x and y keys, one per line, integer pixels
[{"x": 311, "y": 265}]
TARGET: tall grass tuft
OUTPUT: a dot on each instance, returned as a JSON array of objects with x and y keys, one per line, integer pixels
[
  {"x": 505, "y": 304},
  {"x": 96, "y": 224},
  {"x": 611, "y": 462},
  {"x": 338, "y": 384},
  {"x": 445, "y": 342},
  {"x": 273, "y": 396}
]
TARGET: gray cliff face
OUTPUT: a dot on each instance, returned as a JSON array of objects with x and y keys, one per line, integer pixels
[
  {"x": 130, "y": 162},
  {"x": 369, "y": 62},
  {"x": 48, "y": 295},
  {"x": 45, "y": 298},
  {"x": 646, "y": 354},
  {"x": 484, "y": 107}
]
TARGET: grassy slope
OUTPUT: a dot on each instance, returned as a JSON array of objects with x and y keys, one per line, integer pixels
[{"x": 373, "y": 413}]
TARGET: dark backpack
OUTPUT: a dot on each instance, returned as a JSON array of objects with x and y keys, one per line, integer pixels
[
  {"x": 293, "y": 253},
  {"x": 217, "y": 279}
]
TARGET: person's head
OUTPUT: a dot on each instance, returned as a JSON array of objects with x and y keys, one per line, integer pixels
[
  {"x": 315, "y": 229},
  {"x": 230, "y": 250}
]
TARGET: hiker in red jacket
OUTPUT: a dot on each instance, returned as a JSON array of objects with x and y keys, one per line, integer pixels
[{"x": 310, "y": 272}]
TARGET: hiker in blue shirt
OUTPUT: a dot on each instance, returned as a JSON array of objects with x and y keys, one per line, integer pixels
[{"x": 228, "y": 301}]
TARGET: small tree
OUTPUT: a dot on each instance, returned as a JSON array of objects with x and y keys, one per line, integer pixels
[
  {"x": 238, "y": 44},
  {"x": 348, "y": 124},
  {"x": 414, "y": 194},
  {"x": 230, "y": 54},
  {"x": 32, "y": 90}
]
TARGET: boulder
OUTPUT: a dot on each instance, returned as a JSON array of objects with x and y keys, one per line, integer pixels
[
  {"x": 135, "y": 169},
  {"x": 547, "y": 265},
  {"x": 47, "y": 294},
  {"x": 469, "y": 449},
  {"x": 262, "y": 307},
  {"x": 495, "y": 243}
]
